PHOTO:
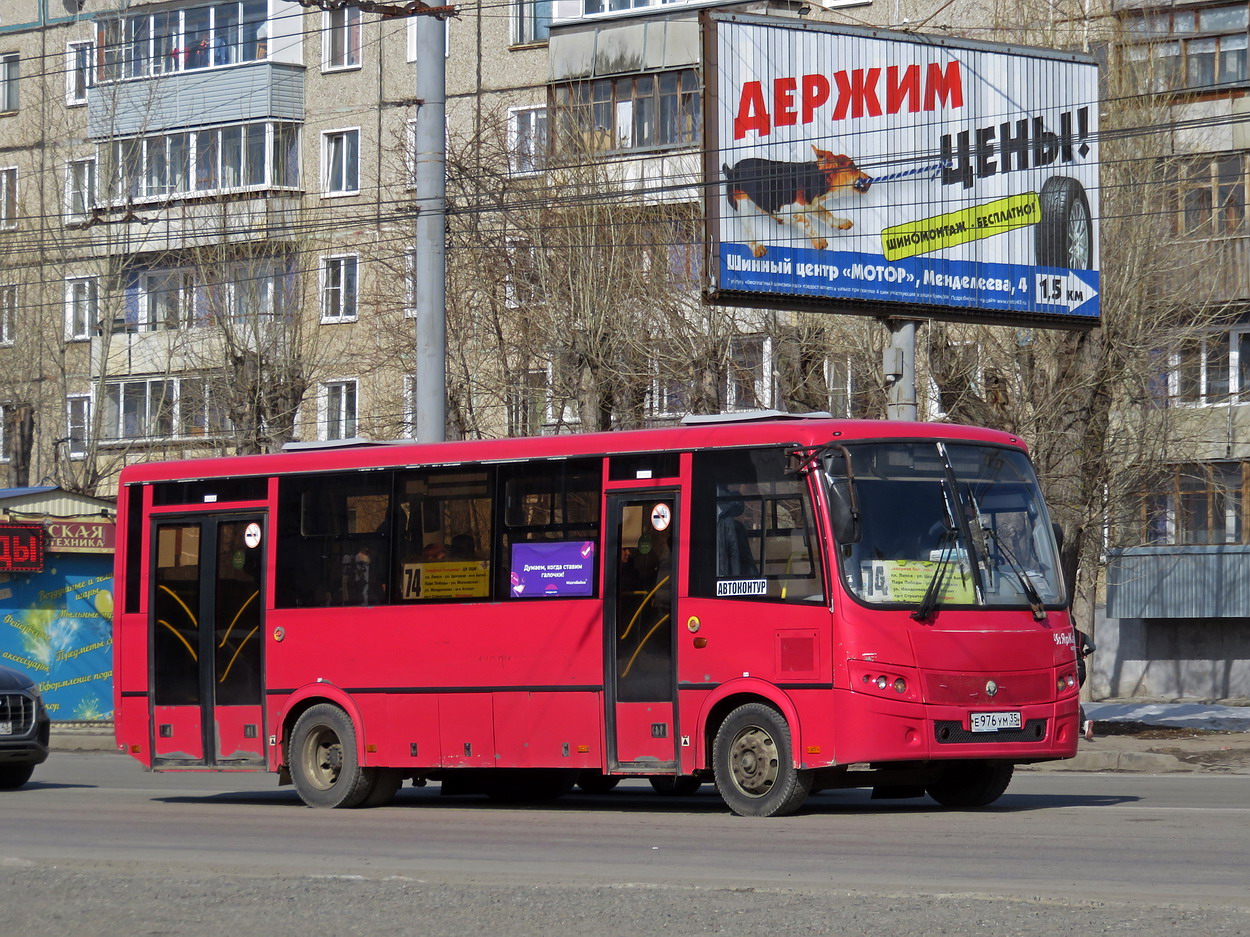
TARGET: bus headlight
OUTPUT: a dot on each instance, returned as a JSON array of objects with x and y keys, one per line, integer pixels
[{"x": 900, "y": 685}]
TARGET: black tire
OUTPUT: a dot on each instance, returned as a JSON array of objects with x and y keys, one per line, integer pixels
[
  {"x": 596, "y": 782},
  {"x": 753, "y": 761},
  {"x": 14, "y": 776},
  {"x": 323, "y": 760},
  {"x": 1064, "y": 237},
  {"x": 971, "y": 783},
  {"x": 529, "y": 785},
  {"x": 676, "y": 785},
  {"x": 386, "y": 783}
]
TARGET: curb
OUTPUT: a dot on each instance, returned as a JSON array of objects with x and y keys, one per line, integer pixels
[
  {"x": 81, "y": 739},
  {"x": 1139, "y": 762}
]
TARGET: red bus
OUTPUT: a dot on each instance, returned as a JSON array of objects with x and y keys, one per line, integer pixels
[{"x": 776, "y": 604}]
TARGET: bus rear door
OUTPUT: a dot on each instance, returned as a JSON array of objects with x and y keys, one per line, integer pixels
[{"x": 205, "y": 621}]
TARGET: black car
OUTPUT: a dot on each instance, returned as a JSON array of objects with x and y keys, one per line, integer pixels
[{"x": 23, "y": 729}]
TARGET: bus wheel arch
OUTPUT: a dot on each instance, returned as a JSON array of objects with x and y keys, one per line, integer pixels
[
  {"x": 754, "y": 763},
  {"x": 323, "y": 758},
  {"x": 718, "y": 707}
]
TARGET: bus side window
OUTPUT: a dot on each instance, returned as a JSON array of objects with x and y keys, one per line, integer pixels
[
  {"x": 550, "y": 514},
  {"x": 333, "y": 540},
  {"x": 751, "y": 534},
  {"x": 443, "y": 535}
]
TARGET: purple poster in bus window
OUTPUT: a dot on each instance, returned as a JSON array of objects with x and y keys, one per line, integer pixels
[{"x": 542, "y": 569}]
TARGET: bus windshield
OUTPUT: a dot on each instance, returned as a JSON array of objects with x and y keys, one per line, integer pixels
[{"x": 961, "y": 524}]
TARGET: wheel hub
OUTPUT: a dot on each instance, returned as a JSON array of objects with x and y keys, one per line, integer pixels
[{"x": 754, "y": 760}]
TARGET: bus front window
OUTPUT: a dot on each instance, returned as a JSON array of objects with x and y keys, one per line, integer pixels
[{"x": 964, "y": 523}]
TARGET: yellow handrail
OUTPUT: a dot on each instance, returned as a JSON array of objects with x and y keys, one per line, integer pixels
[
  {"x": 178, "y": 635},
  {"x": 236, "y": 618},
  {"x": 641, "y": 606},
  {"x": 225, "y": 673},
  {"x": 641, "y": 645}
]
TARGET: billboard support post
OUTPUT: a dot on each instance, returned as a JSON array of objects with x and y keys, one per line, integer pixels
[{"x": 900, "y": 370}]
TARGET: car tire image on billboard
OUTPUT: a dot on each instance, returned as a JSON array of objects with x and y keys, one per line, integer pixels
[{"x": 1065, "y": 234}]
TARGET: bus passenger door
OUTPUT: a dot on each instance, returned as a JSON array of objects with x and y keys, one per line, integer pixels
[
  {"x": 639, "y": 596},
  {"x": 205, "y": 621}
]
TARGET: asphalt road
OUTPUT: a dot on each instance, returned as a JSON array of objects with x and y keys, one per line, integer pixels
[{"x": 94, "y": 846}]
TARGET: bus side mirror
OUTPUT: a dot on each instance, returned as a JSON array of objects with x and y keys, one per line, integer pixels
[
  {"x": 1058, "y": 532},
  {"x": 843, "y": 513}
]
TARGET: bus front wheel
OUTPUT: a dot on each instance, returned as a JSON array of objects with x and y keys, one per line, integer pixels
[
  {"x": 323, "y": 760},
  {"x": 971, "y": 783},
  {"x": 754, "y": 764}
]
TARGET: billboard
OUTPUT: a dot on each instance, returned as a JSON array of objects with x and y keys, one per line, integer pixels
[{"x": 898, "y": 174}]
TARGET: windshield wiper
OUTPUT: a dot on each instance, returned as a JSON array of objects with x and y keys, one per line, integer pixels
[
  {"x": 1026, "y": 585},
  {"x": 928, "y": 604}
]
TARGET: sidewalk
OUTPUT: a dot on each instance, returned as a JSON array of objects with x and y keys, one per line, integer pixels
[
  {"x": 1163, "y": 738},
  {"x": 1152, "y": 737}
]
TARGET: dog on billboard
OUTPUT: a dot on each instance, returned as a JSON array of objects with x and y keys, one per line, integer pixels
[{"x": 793, "y": 193}]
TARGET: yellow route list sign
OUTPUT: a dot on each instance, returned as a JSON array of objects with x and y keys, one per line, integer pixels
[
  {"x": 960, "y": 227},
  {"x": 908, "y": 580}
]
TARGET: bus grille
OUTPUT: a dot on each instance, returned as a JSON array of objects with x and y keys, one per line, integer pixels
[
  {"x": 965, "y": 689},
  {"x": 952, "y": 732},
  {"x": 18, "y": 709}
]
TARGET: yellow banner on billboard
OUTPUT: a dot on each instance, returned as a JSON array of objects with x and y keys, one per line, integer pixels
[{"x": 960, "y": 227}]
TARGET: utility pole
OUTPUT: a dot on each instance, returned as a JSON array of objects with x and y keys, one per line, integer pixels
[
  {"x": 430, "y": 185},
  {"x": 429, "y": 256}
]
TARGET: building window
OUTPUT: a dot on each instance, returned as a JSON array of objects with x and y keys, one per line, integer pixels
[
  {"x": 410, "y": 282},
  {"x": 1211, "y": 369},
  {"x": 8, "y": 418},
  {"x": 638, "y": 112},
  {"x": 1209, "y": 194},
  {"x": 531, "y": 21},
  {"x": 749, "y": 387},
  {"x": 77, "y": 72},
  {"x": 79, "y": 189},
  {"x": 139, "y": 409},
  {"x": 671, "y": 392},
  {"x": 239, "y": 157},
  {"x": 166, "y": 299},
  {"x": 527, "y": 138},
  {"x": 77, "y": 424},
  {"x": 9, "y": 73},
  {"x": 1191, "y": 503},
  {"x": 527, "y": 402},
  {"x": 340, "y": 155},
  {"x": 341, "y": 37},
  {"x": 338, "y": 288},
  {"x": 81, "y": 307},
  {"x": 8, "y": 197},
  {"x": 1189, "y": 48},
  {"x": 522, "y": 274},
  {"x": 8, "y": 312},
  {"x": 166, "y": 41},
  {"x": 338, "y": 410}
]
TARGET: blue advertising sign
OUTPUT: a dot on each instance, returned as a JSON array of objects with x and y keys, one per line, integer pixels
[
  {"x": 553, "y": 569},
  {"x": 57, "y": 627},
  {"x": 894, "y": 174}
]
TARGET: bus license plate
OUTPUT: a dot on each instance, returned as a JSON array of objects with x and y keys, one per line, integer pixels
[
  {"x": 6, "y": 728},
  {"x": 992, "y": 722}
]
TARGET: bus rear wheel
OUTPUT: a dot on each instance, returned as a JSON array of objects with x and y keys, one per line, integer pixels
[
  {"x": 754, "y": 764},
  {"x": 971, "y": 783},
  {"x": 323, "y": 761}
]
